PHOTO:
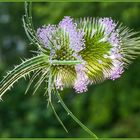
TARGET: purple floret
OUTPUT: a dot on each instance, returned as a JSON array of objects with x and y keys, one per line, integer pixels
[
  {"x": 45, "y": 34},
  {"x": 58, "y": 83},
  {"x": 82, "y": 80},
  {"x": 115, "y": 55},
  {"x": 110, "y": 32},
  {"x": 75, "y": 35},
  {"x": 117, "y": 70}
]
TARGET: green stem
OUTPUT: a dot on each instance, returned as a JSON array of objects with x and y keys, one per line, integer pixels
[
  {"x": 50, "y": 86},
  {"x": 64, "y": 62},
  {"x": 71, "y": 114},
  {"x": 55, "y": 113}
]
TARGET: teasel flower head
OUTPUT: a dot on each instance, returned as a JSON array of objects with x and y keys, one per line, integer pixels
[
  {"x": 95, "y": 43},
  {"x": 75, "y": 53}
]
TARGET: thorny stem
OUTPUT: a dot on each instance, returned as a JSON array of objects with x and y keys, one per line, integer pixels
[
  {"x": 75, "y": 119},
  {"x": 65, "y": 62},
  {"x": 50, "y": 86},
  {"x": 55, "y": 113}
]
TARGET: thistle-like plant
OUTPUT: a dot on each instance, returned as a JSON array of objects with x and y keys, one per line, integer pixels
[{"x": 74, "y": 53}]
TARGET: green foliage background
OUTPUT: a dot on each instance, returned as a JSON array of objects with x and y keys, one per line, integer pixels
[{"x": 110, "y": 109}]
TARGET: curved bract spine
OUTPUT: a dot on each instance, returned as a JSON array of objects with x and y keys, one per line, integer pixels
[
  {"x": 130, "y": 41},
  {"x": 22, "y": 70}
]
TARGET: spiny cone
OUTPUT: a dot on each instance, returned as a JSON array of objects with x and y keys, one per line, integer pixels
[{"x": 103, "y": 47}]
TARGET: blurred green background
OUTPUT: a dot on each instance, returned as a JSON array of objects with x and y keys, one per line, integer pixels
[{"x": 110, "y": 109}]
